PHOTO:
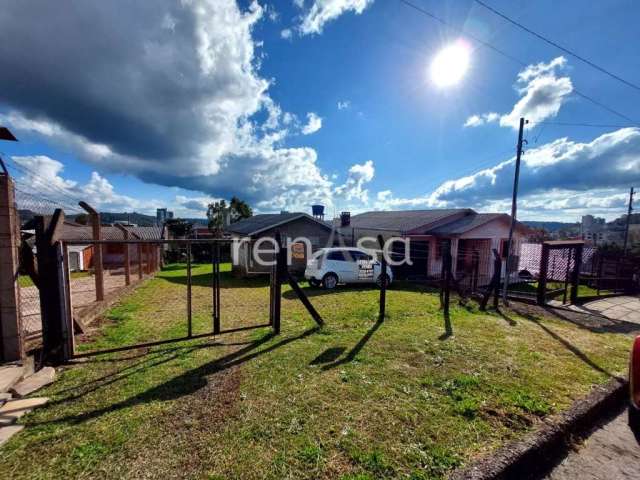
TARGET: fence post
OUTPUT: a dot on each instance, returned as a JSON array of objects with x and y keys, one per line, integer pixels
[
  {"x": 189, "y": 320},
  {"x": 57, "y": 344},
  {"x": 97, "y": 249},
  {"x": 140, "y": 272},
  {"x": 215, "y": 272},
  {"x": 542, "y": 277},
  {"x": 127, "y": 260},
  {"x": 497, "y": 268},
  {"x": 11, "y": 346},
  {"x": 383, "y": 283},
  {"x": 575, "y": 275},
  {"x": 281, "y": 265},
  {"x": 447, "y": 260}
]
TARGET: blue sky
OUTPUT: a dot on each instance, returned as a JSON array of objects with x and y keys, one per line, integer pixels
[{"x": 292, "y": 103}]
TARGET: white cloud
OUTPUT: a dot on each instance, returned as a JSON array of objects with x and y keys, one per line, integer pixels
[
  {"x": 211, "y": 126},
  {"x": 562, "y": 178},
  {"x": 533, "y": 71},
  {"x": 286, "y": 33},
  {"x": 314, "y": 123},
  {"x": 323, "y": 11},
  {"x": 477, "y": 120},
  {"x": 353, "y": 189},
  {"x": 190, "y": 206},
  {"x": 41, "y": 177},
  {"x": 542, "y": 92},
  {"x": 344, "y": 105}
]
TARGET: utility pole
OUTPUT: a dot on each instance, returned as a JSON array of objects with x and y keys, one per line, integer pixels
[
  {"x": 626, "y": 229},
  {"x": 513, "y": 209}
]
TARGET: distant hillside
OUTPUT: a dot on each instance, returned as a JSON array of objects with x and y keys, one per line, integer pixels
[
  {"x": 139, "y": 219},
  {"x": 550, "y": 226}
]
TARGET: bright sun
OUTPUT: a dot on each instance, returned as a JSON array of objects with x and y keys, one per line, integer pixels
[{"x": 450, "y": 64}]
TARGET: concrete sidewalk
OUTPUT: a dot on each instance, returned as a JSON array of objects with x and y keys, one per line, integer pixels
[
  {"x": 624, "y": 307},
  {"x": 610, "y": 452}
]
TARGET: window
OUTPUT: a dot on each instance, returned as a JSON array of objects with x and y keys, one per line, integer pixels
[
  {"x": 336, "y": 255},
  {"x": 503, "y": 247},
  {"x": 357, "y": 256}
]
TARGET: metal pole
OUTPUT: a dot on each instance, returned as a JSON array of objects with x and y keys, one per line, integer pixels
[
  {"x": 216, "y": 290},
  {"x": 626, "y": 230},
  {"x": 513, "y": 210},
  {"x": 189, "y": 326},
  {"x": 383, "y": 281}
]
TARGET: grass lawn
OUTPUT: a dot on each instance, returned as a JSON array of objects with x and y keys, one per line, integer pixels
[
  {"x": 354, "y": 400},
  {"x": 531, "y": 288},
  {"x": 25, "y": 280}
]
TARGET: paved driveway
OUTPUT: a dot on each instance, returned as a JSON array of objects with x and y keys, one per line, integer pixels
[
  {"x": 611, "y": 452},
  {"x": 625, "y": 308}
]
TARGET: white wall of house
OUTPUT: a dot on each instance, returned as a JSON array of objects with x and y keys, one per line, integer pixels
[
  {"x": 76, "y": 258},
  {"x": 494, "y": 232}
]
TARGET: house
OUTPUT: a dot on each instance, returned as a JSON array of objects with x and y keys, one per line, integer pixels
[
  {"x": 291, "y": 226},
  {"x": 471, "y": 236},
  {"x": 81, "y": 256}
]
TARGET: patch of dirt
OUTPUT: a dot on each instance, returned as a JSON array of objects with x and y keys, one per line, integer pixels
[{"x": 190, "y": 428}]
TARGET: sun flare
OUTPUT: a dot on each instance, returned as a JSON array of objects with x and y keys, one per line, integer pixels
[{"x": 450, "y": 64}]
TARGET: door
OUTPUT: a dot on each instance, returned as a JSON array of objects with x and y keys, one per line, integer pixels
[
  {"x": 364, "y": 267},
  {"x": 339, "y": 263},
  {"x": 74, "y": 261}
]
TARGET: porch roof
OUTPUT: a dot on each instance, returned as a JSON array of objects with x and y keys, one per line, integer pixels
[
  {"x": 402, "y": 220},
  {"x": 74, "y": 231},
  {"x": 470, "y": 222}
]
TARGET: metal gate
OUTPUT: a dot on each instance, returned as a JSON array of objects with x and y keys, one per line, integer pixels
[
  {"x": 559, "y": 275},
  {"x": 140, "y": 260}
]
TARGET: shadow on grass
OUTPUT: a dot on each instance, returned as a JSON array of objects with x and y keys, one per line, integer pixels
[
  {"x": 227, "y": 279},
  {"x": 351, "y": 355},
  {"x": 358, "y": 287},
  {"x": 593, "y": 321},
  {"x": 506, "y": 317},
  {"x": 329, "y": 355},
  {"x": 182, "y": 385},
  {"x": 565, "y": 343}
]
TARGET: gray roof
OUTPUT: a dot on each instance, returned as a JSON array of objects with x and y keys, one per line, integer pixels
[
  {"x": 469, "y": 222},
  {"x": 402, "y": 220},
  {"x": 75, "y": 231},
  {"x": 466, "y": 223},
  {"x": 265, "y": 221}
]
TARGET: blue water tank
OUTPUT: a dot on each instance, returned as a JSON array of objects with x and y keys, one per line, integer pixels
[{"x": 317, "y": 210}]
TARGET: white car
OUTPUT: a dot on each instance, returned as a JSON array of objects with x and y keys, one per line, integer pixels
[{"x": 330, "y": 266}]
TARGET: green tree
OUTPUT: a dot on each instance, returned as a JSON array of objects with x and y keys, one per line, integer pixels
[
  {"x": 82, "y": 218},
  {"x": 239, "y": 209},
  {"x": 216, "y": 214},
  {"x": 220, "y": 214},
  {"x": 178, "y": 227}
]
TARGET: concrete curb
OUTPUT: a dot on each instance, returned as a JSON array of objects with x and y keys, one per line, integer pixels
[{"x": 540, "y": 450}]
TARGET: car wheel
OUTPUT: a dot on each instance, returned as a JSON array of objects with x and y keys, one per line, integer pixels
[
  {"x": 383, "y": 278},
  {"x": 330, "y": 281},
  {"x": 313, "y": 282}
]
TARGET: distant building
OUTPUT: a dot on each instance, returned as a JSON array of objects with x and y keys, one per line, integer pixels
[
  {"x": 593, "y": 229},
  {"x": 162, "y": 215}
]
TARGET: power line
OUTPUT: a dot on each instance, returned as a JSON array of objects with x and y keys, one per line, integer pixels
[
  {"x": 44, "y": 183},
  {"x": 510, "y": 57},
  {"x": 595, "y": 125},
  {"x": 558, "y": 46},
  {"x": 460, "y": 30}
]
